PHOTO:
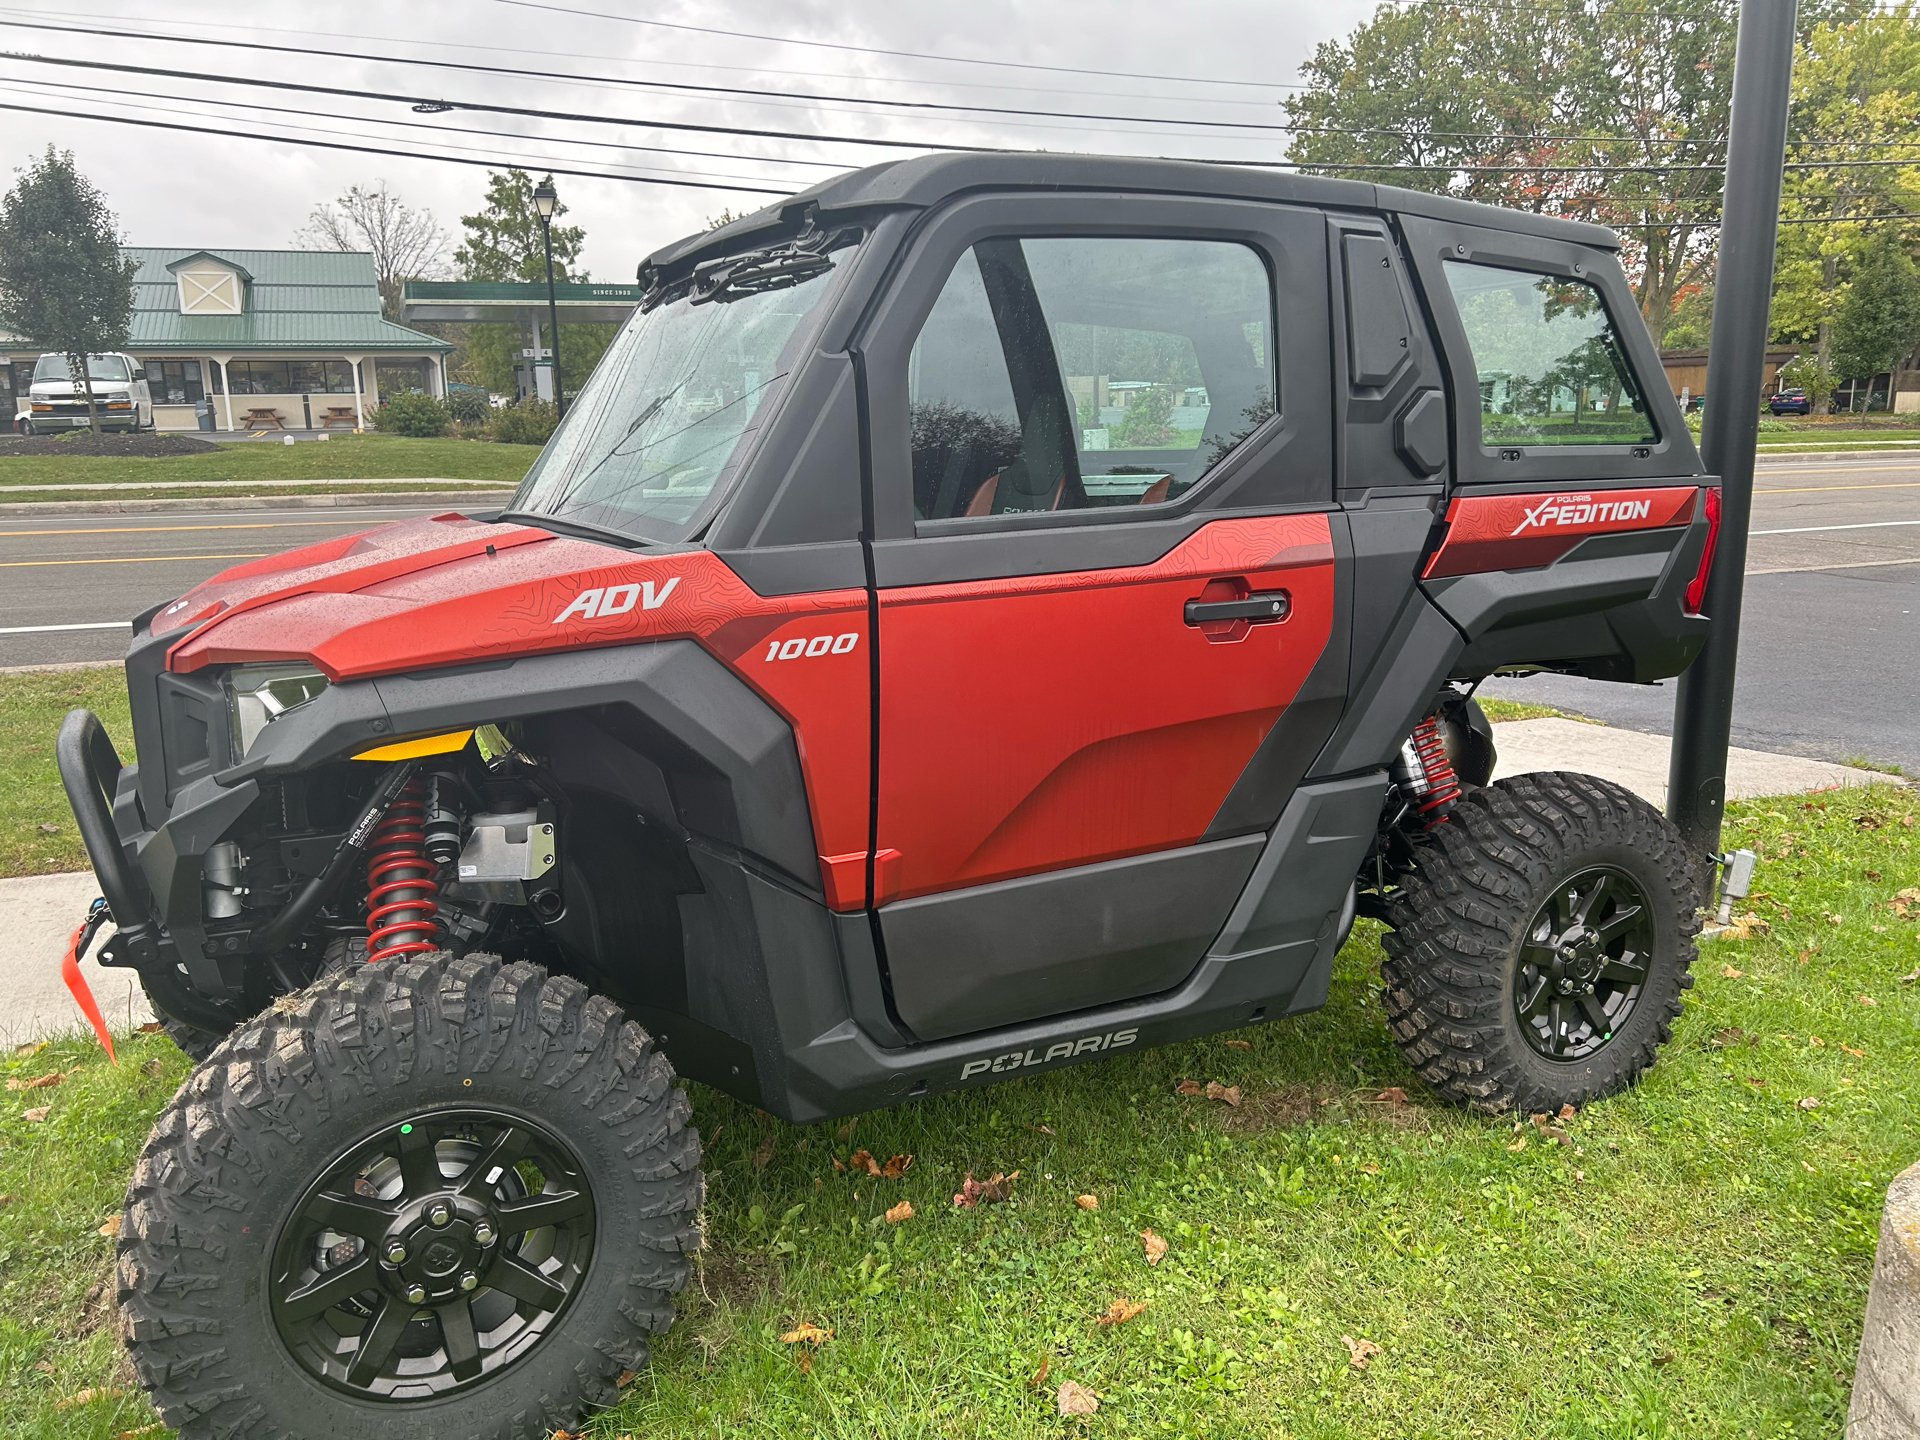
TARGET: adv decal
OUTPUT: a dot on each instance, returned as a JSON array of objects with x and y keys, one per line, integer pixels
[{"x": 1522, "y": 532}]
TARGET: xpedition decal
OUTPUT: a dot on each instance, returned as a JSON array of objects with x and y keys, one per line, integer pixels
[
  {"x": 1059, "y": 1050},
  {"x": 1522, "y": 532},
  {"x": 1582, "y": 510}
]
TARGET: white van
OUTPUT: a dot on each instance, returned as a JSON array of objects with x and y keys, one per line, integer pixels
[{"x": 121, "y": 398}]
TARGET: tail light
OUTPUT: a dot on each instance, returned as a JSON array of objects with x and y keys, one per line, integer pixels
[{"x": 1697, "y": 590}]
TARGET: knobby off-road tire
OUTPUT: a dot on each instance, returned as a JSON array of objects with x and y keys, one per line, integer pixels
[
  {"x": 512, "y": 1088},
  {"x": 1466, "y": 957}
]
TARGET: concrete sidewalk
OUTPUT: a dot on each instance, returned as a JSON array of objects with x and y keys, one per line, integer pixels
[{"x": 39, "y": 912}]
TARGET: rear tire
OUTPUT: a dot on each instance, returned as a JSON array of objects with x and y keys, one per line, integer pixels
[
  {"x": 282, "y": 1165},
  {"x": 1498, "y": 1004}
]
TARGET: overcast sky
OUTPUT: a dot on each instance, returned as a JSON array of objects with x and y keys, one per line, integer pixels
[{"x": 219, "y": 191}]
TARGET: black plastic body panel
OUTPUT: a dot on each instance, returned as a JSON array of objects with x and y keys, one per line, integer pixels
[
  {"x": 1396, "y": 687},
  {"x": 995, "y": 955}
]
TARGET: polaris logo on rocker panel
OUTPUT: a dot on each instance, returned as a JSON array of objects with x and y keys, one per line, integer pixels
[
  {"x": 1060, "y": 1050},
  {"x": 598, "y": 604},
  {"x": 1582, "y": 510}
]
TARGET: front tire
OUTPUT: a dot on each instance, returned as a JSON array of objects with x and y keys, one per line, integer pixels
[
  {"x": 447, "y": 1198},
  {"x": 1540, "y": 949}
]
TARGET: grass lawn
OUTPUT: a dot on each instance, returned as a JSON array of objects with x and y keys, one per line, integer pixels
[
  {"x": 31, "y": 709},
  {"x": 1693, "y": 1261},
  {"x": 345, "y": 457}
]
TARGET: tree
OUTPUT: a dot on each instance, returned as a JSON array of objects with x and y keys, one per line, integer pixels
[
  {"x": 1506, "y": 106},
  {"x": 63, "y": 282},
  {"x": 504, "y": 243},
  {"x": 406, "y": 243},
  {"x": 1879, "y": 321}
]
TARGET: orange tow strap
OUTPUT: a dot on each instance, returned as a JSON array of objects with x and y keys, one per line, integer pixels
[{"x": 82, "y": 992}]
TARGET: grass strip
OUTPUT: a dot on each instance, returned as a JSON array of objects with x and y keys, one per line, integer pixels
[
  {"x": 37, "y": 834},
  {"x": 346, "y": 457},
  {"x": 1693, "y": 1260}
]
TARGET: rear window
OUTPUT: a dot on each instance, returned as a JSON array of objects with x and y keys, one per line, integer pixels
[{"x": 1550, "y": 366}]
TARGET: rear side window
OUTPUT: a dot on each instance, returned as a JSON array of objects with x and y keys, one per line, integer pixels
[
  {"x": 1550, "y": 365},
  {"x": 1061, "y": 374}
]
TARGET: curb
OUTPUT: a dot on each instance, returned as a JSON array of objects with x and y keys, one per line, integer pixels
[
  {"x": 480, "y": 499},
  {"x": 1763, "y": 458},
  {"x": 1886, "y": 1381}
]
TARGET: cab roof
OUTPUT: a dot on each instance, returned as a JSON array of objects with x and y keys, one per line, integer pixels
[{"x": 926, "y": 180}]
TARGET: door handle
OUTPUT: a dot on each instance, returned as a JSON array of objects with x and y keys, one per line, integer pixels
[{"x": 1263, "y": 607}]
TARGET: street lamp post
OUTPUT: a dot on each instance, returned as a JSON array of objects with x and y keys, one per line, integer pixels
[{"x": 545, "y": 199}]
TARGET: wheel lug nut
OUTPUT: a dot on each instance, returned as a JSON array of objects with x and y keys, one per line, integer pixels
[
  {"x": 469, "y": 1281},
  {"x": 415, "y": 1294},
  {"x": 396, "y": 1253},
  {"x": 483, "y": 1233},
  {"x": 439, "y": 1215}
]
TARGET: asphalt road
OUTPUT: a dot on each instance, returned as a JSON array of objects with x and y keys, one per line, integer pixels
[{"x": 1830, "y": 649}]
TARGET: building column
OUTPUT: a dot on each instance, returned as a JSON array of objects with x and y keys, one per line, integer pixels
[
  {"x": 226, "y": 389},
  {"x": 359, "y": 409}
]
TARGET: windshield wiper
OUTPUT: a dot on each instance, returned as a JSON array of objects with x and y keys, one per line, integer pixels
[
  {"x": 733, "y": 277},
  {"x": 579, "y": 529}
]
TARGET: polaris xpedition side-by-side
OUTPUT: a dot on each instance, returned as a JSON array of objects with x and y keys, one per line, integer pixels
[{"x": 984, "y": 614}]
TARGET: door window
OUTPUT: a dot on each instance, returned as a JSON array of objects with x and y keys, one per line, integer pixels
[
  {"x": 1551, "y": 368},
  {"x": 1060, "y": 374}
]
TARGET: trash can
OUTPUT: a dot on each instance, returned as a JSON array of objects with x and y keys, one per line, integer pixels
[{"x": 203, "y": 411}]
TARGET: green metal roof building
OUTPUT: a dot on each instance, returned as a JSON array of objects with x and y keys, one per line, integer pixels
[{"x": 292, "y": 338}]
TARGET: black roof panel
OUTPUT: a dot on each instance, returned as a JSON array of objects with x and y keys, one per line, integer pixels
[{"x": 925, "y": 180}]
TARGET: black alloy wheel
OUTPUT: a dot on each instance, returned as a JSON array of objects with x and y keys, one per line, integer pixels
[
  {"x": 433, "y": 1255},
  {"x": 1583, "y": 963}
]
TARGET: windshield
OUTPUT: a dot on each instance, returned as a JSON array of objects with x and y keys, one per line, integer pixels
[
  {"x": 99, "y": 367},
  {"x": 668, "y": 411}
]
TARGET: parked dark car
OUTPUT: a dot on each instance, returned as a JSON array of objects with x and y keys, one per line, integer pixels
[{"x": 1790, "y": 402}]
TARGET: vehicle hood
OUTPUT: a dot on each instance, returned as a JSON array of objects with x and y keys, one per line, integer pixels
[{"x": 449, "y": 590}]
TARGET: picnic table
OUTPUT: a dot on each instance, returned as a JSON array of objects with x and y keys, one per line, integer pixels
[
  {"x": 260, "y": 419},
  {"x": 340, "y": 415}
]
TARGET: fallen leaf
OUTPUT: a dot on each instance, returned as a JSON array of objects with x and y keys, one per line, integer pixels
[
  {"x": 1857, "y": 1054},
  {"x": 1808, "y": 1104},
  {"x": 624, "y": 1379},
  {"x": 807, "y": 1333},
  {"x": 1156, "y": 1247},
  {"x": 154, "y": 1069},
  {"x": 1731, "y": 974},
  {"x": 49, "y": 829},
  {"x": 31, "y": 1048},
  {"x": 1871, "y": 876},
  {"x": 1567, "y": 1112},
  {"x": 144, "y": 1430},
  {"x": 109, "y": 1226},
  {"x": 37, "y": 1114},
  {"x": 845, "y": 1132},
  {"x": 765, "y": 1153},
  {"x": 5, "y": 1200},
  {"x": 1229, "y": 1093},
  {"x": 1040, "y": 1376},
  {"x": 152, "y": 1027},
  {"x": 1518, "y": 1145},
  {"x": 896, "y": 1166},
  {"x": 1748, "y": 926},
  {"x": 1359, "y": 1352},
  {"x": 1808, "y": 1168},
  {"x": 985, "y": 1192},
  {"x": 1664, "y": 1360},
  {"x": 1076, "y": 1399},
  {"x": 1238, "y": 1044},
  {"x": 1043, "y": 1129},
  {"x": 902, "y": 1211},
  {"x": 1815, "y": 1040},
  {"x": 1868, "y": 1000},
  {"x": 1393, "y": 1095},
  {"x": 1579, "y": 1174},
  {"x": 1727, "y": 1038},
  {"x": 838, "y": 1164},
  {"x": 1121, "y": 1311},
  {"x": 1370, "y": 1168},
  {"x": 88, "y": 1396},
  {"x": 1188, "y": 1087},
  {"x": 38, "y": 1082},
  {"x": 861, "y": 1161},
  {"x": 1087, "y": 1202},
  {"x": 1755, "y": 1080}
]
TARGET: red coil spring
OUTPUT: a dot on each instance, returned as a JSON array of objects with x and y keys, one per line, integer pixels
[
  {"x": 403, "y": 909},
  {"x": 1442, "y": 785}
]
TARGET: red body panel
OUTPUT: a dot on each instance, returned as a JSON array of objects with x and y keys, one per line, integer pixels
[
  {"x": 425, "y": 593},
  {"x": 1033, "y": 723},
  {"x": 1521, "y": 532}
]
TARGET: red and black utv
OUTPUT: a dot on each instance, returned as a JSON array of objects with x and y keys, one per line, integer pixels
[{"x": 984, "y": 614}]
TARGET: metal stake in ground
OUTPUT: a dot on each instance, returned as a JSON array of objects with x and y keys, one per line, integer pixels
[{"x": 1750, "y": 216}]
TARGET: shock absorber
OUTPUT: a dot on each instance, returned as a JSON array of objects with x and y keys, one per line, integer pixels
[
  {"x": 403, "y": 906},
  {"x": 1424, "y": 771}
]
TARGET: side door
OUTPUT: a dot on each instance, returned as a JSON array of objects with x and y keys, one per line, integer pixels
[{"x": 1104, "y": 556}]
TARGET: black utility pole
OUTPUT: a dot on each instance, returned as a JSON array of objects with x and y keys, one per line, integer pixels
[
  {"x": 545, "y": 198},
  {"x": 1736, "y": 363}
]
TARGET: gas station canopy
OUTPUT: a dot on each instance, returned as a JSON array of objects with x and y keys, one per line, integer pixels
[{"x": 505, "y": 302}]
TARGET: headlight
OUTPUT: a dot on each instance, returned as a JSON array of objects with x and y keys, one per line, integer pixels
[{"x": 258, "y": 695}]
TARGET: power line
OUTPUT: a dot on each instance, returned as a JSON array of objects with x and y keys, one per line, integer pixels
[
  {"x": 901, "y": 54},
  {"x": 377, "y": 150},
  {"x": 761, "y": 96}
]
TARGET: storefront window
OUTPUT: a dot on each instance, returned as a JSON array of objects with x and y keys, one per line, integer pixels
[
  {"x": 321, "y": 377},
  {"x": 175, "y": 382},
  {"x": 259, "y": 377},
  {"x": 396, "y": 377}
]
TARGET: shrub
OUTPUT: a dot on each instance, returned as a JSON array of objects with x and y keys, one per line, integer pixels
[
  {"x": 468, "y": 403},
  {"x": 530, "y": 422},
  {"x": 414, "y": 414}
]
